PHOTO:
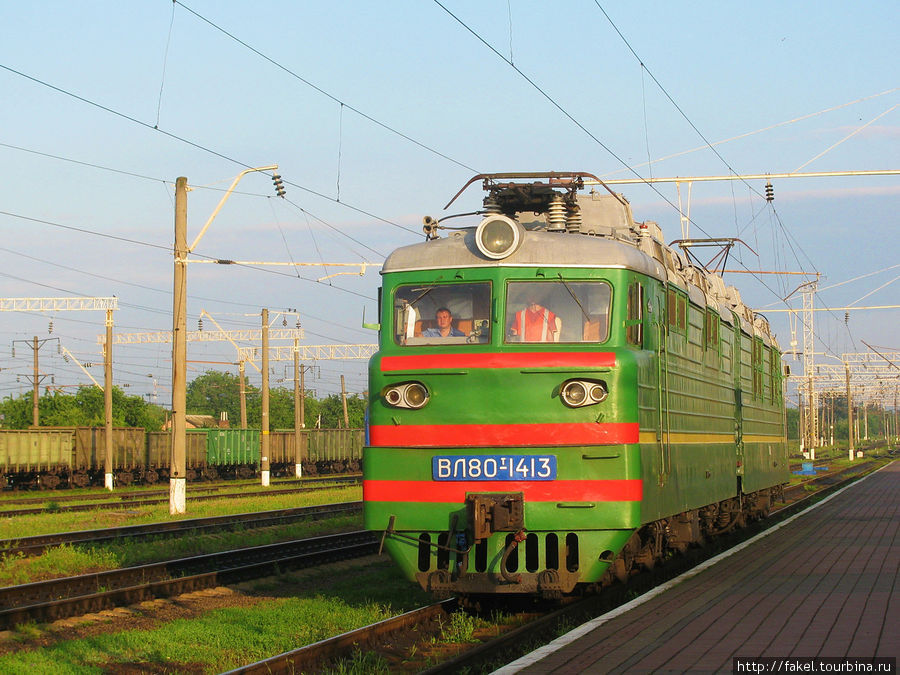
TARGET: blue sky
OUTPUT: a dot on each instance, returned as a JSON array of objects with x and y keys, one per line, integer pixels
[{"x": 153, "y": 91}]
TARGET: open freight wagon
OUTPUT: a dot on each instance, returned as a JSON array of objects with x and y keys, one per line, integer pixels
[{"x": 47, "y": 458}]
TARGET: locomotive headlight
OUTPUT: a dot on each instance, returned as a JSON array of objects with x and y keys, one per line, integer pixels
[
  {"x": 393, "y": 396},
  {"x": 599, "y": 393},
  {"x": 579, "y": 393},
  {"x": 416, "y": 395},
  {"x": 498, "y": 236},
  {"x": 412, "y": 395},
  {"x": 574, "y": 394}
]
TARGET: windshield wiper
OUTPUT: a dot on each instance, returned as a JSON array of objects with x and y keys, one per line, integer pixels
[{"x": 577, "y": 301}]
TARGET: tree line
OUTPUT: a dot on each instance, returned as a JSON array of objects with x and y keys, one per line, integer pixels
[
  {"x": 875, "y": 413},
  {"x": 209, "y": 394}
]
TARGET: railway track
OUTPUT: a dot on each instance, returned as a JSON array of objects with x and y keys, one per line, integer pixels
[
  {"x": 305, "y": 659},
  {"x": 35, "y": 545},
  {"x": 54, "y": 599},
  {"x": 532, "y": 627},
  {"x": 101, "y": 494},
  {"x": 165, "y": 500}
]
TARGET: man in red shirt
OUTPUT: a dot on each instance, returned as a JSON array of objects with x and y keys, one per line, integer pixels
[{"x": 535, "y": 324}]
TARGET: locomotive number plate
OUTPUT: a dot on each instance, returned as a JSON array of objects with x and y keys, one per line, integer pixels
[{"x": 494, "y": 467}]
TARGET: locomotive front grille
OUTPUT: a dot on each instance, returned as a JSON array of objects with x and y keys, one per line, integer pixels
[{"x": 537, "y": 552}]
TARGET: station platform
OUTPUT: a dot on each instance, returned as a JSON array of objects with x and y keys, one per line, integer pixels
[{"x": 822, "y": 583}]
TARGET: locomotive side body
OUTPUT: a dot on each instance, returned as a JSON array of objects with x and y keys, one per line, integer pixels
[{"x": 588, "y": 407}]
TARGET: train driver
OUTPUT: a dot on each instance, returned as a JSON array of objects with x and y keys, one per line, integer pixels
[
  {"x": 535, "y": 323},
  {"x": 444, "y": 328}
]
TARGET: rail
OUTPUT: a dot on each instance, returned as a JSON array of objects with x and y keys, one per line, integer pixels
[
  {"x": 37, "y": 544},
  {"x": 201, "y": 498},
  {"x": 70, "y": 596}
]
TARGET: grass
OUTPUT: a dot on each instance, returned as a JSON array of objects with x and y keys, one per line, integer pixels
[
  {"x": 362, "y": 663},
  {"x": 61, "y": 561},
  {"x": 87, "y": 496},
  {"x": 214, "y": 642},
  {"x": 69, "y": 560},
  {"x": 48, "y": 523},
  {"x": 288, "y": 612},
  {"x": 461, "y": 628}
]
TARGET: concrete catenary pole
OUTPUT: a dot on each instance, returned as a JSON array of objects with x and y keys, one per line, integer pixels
[
  {"x": 303, "y": 398},
  {"x": 35, "y": 394},
  {"x": 298, "y": 414},
  {"x": 849, "y": 411},
  {"x": 344, "y": 403},
  {"x": 243, "y": 395},
  {"x": 177, "y": 470},
  {"x": 264, "y": 432},
  {"x": 896, "y": 413},
  {"x": 107, "y": 403}
]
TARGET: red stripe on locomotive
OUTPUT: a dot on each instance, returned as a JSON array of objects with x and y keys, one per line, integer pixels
[
  {"x": 494, "y": 360},
  {"x": 622, "y": 490},
  {"x": 466, "y": 435}
]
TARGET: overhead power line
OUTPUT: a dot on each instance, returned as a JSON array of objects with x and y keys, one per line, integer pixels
[
  {"x": 663, "y": 90},
  {"x": 195, "y": 145},
  {"x": 569, "y": 116},
  {"x": 328, "y": 95}
]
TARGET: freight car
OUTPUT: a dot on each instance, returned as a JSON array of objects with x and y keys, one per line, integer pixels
[
  {"x": 559, "y": 397},
  {"x": 75, "y": 456}
]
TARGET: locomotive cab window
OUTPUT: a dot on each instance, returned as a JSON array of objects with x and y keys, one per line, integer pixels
[
  {"x": 441, "y": 314},
  {"x": 557, "y": 311}
]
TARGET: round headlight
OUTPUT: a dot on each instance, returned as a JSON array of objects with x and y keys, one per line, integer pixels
[
  {"x": 393, "y": 396},
  {"x": 416, "y": 395},
  {"x": 498, "y": 236},
  {"x": 574, "y": 394},
  {"x": 599, "y": 393}
]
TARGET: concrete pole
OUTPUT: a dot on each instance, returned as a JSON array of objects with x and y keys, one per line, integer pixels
[
  {"x": 107, "y": 402},
  {"x": 36, "y": 393},
  {"x": 344, "y": 403},
  {"x": 243, "y": 396},
  {"x": 849, "y": 411},
  {"x": 831, "y": 420},
  {"x": 264, "y": 433},
  {"x": 303, "y": 398},
  {"x": 866, "y": 417},
  {"x": 896, "y": 413},
  {"x": 177, "y": 470},
  {"x": 298, "y": 424}
]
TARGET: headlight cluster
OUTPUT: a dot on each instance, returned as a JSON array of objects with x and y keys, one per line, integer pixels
[
  {"x": 408, "y": 395},
  {"x": 579, "y": 393}
]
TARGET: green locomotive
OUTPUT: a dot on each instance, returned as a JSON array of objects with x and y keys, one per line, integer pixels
[{"x": 559, "y": 397}]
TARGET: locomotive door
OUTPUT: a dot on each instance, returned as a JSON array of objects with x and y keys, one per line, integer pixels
[
  {"x": 662, "y": 396},
  {"x": 737, "y": 366}
]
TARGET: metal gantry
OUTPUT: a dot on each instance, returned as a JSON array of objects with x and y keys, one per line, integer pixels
[
  {"x": 863, "y": 379},
  {"x": 57, "y": 304},
  {"x": 245, "y": 335},
  {"x": 313, "y": 352},
  {"x": 810, "y": 423},
  {"x": 68, "y": 305}
]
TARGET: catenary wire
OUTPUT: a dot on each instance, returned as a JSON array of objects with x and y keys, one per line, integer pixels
[{"x": 323, "y": 92}]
